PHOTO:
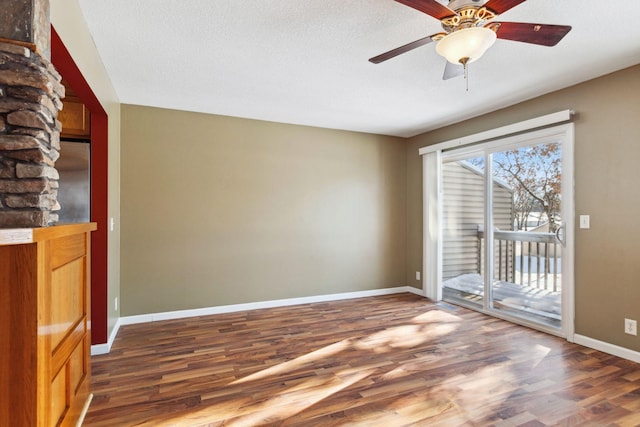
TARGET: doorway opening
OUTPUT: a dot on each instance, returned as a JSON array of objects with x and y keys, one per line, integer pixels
[{"x": 66, "y": 66}]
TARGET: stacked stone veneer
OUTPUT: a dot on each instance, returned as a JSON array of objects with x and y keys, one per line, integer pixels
[{"x": 30, "y": 98}]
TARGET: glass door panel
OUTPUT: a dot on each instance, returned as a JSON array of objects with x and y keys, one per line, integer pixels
[
  {"x": 463, "y": 213},
  {"x": 503, "y": 228},
  {"x": 526, "y": 206}
]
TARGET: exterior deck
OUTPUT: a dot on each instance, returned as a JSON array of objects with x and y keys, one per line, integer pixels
[
  {"x": 527, "y": 276},
  {"x": 527, "y": 301}
]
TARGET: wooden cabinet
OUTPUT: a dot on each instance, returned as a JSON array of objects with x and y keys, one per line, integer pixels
[
  {"x": 45, "y": 338},
  {"x": 74, "y": 116}
]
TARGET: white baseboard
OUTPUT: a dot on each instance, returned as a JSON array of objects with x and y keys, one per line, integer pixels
[
  {"x": 106, "y": 348},
  {"x": 605, "y": 347},
  {"x": 416, "y": 291},
  {"x": 181, "y": 314}
]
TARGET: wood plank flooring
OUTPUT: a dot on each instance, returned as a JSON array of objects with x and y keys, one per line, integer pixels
[{"x": 396, "y": 360}]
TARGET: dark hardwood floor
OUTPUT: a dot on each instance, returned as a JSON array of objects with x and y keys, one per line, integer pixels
[{"x": 388, "y": 361}]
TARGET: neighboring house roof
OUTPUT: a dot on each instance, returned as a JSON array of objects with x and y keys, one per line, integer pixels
[{"x": 476, "y": 170}]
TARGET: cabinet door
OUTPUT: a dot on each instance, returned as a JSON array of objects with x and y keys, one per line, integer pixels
[
  {"x": 75, "y": 119},
  {"x": 68, "y": 328}
]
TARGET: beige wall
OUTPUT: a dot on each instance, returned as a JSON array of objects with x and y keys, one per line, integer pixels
[
  {"x": 607, "y": 175},
  {"x": 69, "y": 22},
  {"x": 219, "y": 210}
]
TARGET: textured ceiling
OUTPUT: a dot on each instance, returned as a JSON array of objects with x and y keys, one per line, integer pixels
[{"x": 305, "y": 61}]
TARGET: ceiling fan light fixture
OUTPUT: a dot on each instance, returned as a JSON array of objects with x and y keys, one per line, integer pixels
[{"x": 466, "y": 45}]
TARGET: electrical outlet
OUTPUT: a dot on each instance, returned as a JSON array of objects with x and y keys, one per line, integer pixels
[
  {"x": 417, "y": 275},
  {"x": 115, "y": 303},
  {"x": 630, "y": 327}
]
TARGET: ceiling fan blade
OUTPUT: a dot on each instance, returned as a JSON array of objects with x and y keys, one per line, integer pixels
[
  {"x": 501, "y": 6},
  {"x": 400, "y": 50},
  {"x": 452, "y": 70},
  {"x": 430, "y": 7},
  {"x": 542, "y": 34}
]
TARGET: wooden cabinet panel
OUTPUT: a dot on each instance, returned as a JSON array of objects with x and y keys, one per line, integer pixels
[
  {"x": 76, "y": 368},
  {"x": 74, "y": 116},
  {"x": 67, "y": 300},
  {"x": 18, "y": 351},
  {"x": 58, "y": 398},
  {"x": 75, "y": 119},
  {"x": 45, "y": 329},
  {"x": 68, "y": 248}
]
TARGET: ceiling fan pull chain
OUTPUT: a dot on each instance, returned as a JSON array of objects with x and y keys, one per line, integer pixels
[
  {"x": 466, "y": 75},
  {"x": 465, "y": 65}
]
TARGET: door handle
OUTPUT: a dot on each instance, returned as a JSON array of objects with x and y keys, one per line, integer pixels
[{"x": 562, "y": 240}]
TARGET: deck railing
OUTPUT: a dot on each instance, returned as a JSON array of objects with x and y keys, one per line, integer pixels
[{"x": 525, "y": 258}]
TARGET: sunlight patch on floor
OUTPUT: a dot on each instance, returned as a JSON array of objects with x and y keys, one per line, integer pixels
[
  {"x": 538, "y": 354},
  {"x": 239, "y": 413},
  {"x": 298, "y": 362},
  {"x": 436, "y": 316},
  {"x": 480, "y": 391},
  {"x": 405, "y": 336}
]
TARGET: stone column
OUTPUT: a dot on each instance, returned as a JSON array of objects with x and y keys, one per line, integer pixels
[
  {"x": 30, "y": 99},
  {"x": 27, "y": 22}
]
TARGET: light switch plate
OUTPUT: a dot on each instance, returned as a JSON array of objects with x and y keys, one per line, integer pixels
[
  {"x": 630, "y": 327},
  {"x": 585, "y": 221}
]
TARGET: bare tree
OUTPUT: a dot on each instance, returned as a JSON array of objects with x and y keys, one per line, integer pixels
[
  {"x": 523, "y": 205},
  {"x": 535, "y": 174}
]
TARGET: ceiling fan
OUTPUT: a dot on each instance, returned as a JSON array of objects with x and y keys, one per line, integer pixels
[{"x": 469, "y": 30}]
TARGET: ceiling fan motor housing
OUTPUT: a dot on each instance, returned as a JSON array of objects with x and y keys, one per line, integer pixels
[
  {"x": 469, "y": 13},
  {"x": 459, "y": 4}
]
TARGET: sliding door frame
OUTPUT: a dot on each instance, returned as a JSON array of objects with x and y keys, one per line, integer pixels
[{"x": 528, "y": 133}]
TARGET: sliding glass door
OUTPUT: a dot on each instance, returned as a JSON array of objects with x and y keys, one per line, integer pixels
[
  {"x": 503, "y": 213},
  {"x": 527, "y": 232}
]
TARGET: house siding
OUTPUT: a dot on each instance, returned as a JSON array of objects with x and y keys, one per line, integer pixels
[{"x": 463, "y": 212}]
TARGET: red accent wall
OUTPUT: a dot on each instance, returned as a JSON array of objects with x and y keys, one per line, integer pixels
[{"x": 66, "y": 66}]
